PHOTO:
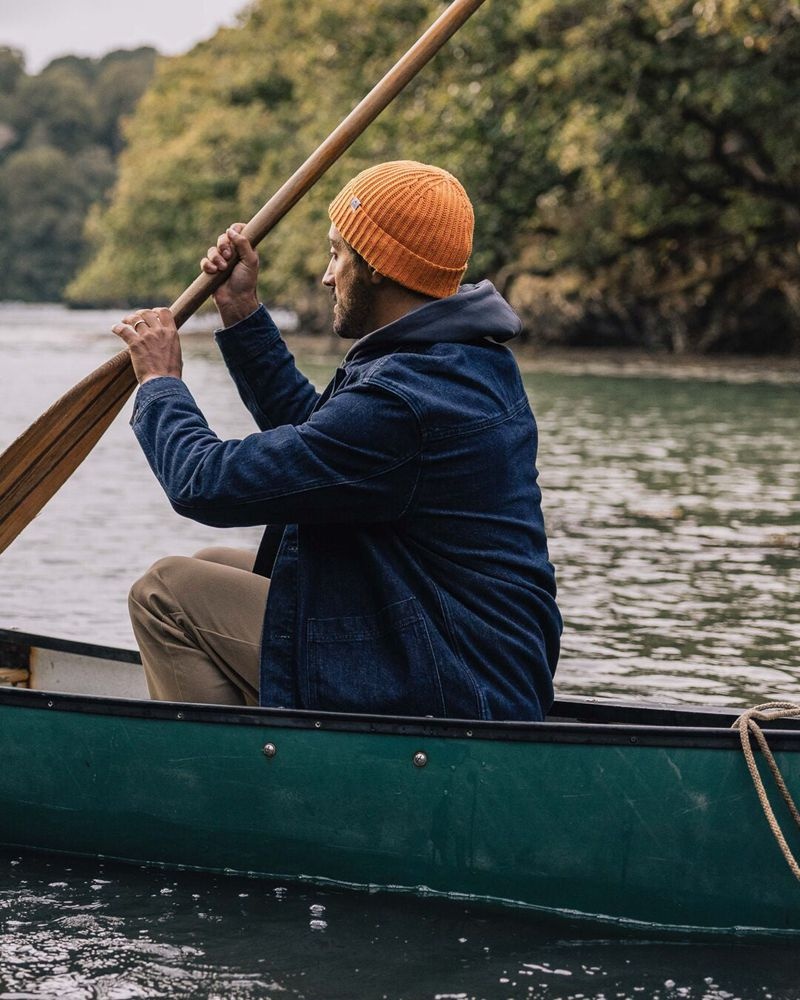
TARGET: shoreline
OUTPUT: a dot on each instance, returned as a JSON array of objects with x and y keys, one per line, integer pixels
[
  {"x": 636, "y": 363},
  {"x": 533, "y": 359},
  {"x": 606, "y": 362}
]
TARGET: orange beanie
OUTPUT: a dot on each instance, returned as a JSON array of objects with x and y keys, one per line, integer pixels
[{"x": 413, "y": 223}]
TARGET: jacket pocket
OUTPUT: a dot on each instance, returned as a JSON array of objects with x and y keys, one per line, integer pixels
[{"x": 381, "y": 663}]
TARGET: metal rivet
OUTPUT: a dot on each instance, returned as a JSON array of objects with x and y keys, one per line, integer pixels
[
  {"x": 179, "y": 715},
  {"x": 317, "y": 725},
  {"x": 270, "y": 749},
  {"x": 469, "y": 732},
  {"x": 49, "y": 704},
  {"x": 420, "y": 758}
]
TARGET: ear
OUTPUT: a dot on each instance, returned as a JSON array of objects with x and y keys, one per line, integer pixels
[{"x": 375, "y": 277}]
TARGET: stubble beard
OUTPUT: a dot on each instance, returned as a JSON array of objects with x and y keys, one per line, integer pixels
[{"x": 351, "y": 320}]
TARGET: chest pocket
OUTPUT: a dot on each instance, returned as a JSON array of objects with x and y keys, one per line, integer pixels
[{"x": 382, "y": 663}]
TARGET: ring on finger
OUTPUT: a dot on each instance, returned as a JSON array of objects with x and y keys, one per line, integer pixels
[{"x": 138, "y": 322}]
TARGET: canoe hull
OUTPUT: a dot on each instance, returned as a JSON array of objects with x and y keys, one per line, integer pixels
[{"x": 626, "y": 824}]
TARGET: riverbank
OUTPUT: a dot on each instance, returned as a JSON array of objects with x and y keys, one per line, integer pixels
[
  {"x": 613, "y": 362},
  {"x": 608, "y": 362},
  {"x": 533, "y": 359}
]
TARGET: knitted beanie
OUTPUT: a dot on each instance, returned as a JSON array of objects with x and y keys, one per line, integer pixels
[{"x": 412, "y": 222}]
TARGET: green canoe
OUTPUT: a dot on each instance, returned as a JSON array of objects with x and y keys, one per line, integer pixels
[{"x": 635, "y": 815}]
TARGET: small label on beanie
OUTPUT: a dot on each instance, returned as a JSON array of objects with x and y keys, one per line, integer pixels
[{"x": 355, "y": 204}]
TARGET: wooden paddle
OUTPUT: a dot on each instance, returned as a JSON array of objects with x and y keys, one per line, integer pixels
[{"x": 40, "y": 461}]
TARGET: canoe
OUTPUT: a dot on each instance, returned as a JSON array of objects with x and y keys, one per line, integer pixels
[{"x": 636, "y": 815}]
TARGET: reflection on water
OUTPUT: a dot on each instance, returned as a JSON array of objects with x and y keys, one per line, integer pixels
[
  {"x": 74, "y": 930},
  {"x": 672, "y": 509}
]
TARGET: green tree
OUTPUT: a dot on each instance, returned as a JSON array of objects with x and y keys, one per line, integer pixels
[
  {"x": 47, "y": 196},
  {"x": 120, "y": 80},
  {"x": 12, "y": 69},
  {"x": 59, "y": 133},
  {"x": 635, "y": 166},
  {"x": 675, "y": 221},
  {"x": 60, "y": 105},
  {"x": 222, "y": 127}
]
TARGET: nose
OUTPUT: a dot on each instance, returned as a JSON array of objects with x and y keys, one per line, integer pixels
[{"x": 327, "y": 278}]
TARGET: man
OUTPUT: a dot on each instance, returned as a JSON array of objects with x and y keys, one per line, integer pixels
[{"x": 405, "y": 566}]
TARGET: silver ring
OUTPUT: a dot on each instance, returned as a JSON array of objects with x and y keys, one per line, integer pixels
[{"x": 137, "y": 323}]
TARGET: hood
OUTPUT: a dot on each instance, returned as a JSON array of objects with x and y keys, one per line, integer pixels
[{"x": 474, "y": 312}]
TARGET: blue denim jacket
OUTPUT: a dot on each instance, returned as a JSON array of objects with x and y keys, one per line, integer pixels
[{"x": 407, "y": 552}]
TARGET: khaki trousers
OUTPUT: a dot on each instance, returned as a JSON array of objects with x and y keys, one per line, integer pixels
[{"x": 198, "y": 623}]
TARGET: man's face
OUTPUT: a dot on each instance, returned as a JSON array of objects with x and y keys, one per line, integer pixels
[{"x": 353, "y": 293}]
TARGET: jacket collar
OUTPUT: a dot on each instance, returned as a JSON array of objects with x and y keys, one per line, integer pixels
[{"x": 475, "y": 312}]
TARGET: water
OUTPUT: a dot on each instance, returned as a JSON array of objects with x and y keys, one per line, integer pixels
[
  {"x": 81, "y": 931},
  {"x": 674, "y": 513},
  {"x": 672, "y": 508}
]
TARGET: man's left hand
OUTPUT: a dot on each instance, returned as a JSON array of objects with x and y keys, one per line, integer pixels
[{"x": 153, "y": 343}]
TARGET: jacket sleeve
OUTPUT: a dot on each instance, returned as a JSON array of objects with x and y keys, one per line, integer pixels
[
  {"x": 269, "y": 383},
  {"x": 356, "y": 459}
]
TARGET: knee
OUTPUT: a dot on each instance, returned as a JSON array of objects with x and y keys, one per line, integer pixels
[{"x": 156, "y": 588}]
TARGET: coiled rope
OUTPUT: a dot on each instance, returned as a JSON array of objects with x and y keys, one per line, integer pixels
[{"x": 747, "y": 724}]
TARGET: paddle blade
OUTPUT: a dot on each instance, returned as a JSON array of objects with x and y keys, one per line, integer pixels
[{"x": 40, "y": 461}]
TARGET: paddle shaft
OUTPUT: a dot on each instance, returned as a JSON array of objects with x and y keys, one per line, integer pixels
[
  {"x": 39, "y": 462},
  {"x": 306, "y": 176}
]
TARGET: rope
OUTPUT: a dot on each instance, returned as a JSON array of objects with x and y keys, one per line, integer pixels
[{"x": 747, "y": 725}]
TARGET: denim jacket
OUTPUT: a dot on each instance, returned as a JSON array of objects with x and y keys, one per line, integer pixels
[{"x": 407, "y": 551}]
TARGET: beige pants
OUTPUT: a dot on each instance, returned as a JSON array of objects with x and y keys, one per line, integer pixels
[{"x": 198, "y": 624}]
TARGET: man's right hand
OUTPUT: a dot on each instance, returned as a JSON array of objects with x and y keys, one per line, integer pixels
[{"x": 237, "y": 298}]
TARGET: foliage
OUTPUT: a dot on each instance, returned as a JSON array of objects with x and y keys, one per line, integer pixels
[
  {"x": 675, "y": 221},
  {"x": 635, "y": 165},
  {"x": 59, "y": 135},
  {"x": 202, "y": 154}
]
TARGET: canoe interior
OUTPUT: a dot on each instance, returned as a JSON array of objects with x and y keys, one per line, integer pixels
[{"x": 42, "y": 663}]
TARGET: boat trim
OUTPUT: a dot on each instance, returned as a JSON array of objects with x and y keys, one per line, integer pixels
[{"x": 572, "y": 720}]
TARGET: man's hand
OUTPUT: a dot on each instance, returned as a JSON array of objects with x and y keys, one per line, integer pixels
[
  {"x": 237, "y": 297},
  {"x": 152, "y": 339}
]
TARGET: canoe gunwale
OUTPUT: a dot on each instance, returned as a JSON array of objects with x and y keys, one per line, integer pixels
[
  {"x": 11, "y": 638},
  {"x": 596, "y": 734},
  {"x": 589, "y": 721}
]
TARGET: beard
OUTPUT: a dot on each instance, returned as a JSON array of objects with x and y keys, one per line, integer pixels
[{"x": 353, "y": 308}]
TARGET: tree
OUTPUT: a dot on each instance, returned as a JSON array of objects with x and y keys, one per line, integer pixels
[
  {"x": 635, "y": 166},
  {"x": 675, "y": 220},
  {"x": 121, "y": 79},
  {"x": 12, "y": 68},
  {"x": 200, "y": 156},
  {"x": 60, "y": 103},
  {"x": 58, "y": 136}
]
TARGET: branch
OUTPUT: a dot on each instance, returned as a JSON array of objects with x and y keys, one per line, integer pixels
[{"x": 746, "y": 171}]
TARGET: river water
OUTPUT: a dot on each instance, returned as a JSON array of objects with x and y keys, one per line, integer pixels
[{"x": 672, "y": 510}]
